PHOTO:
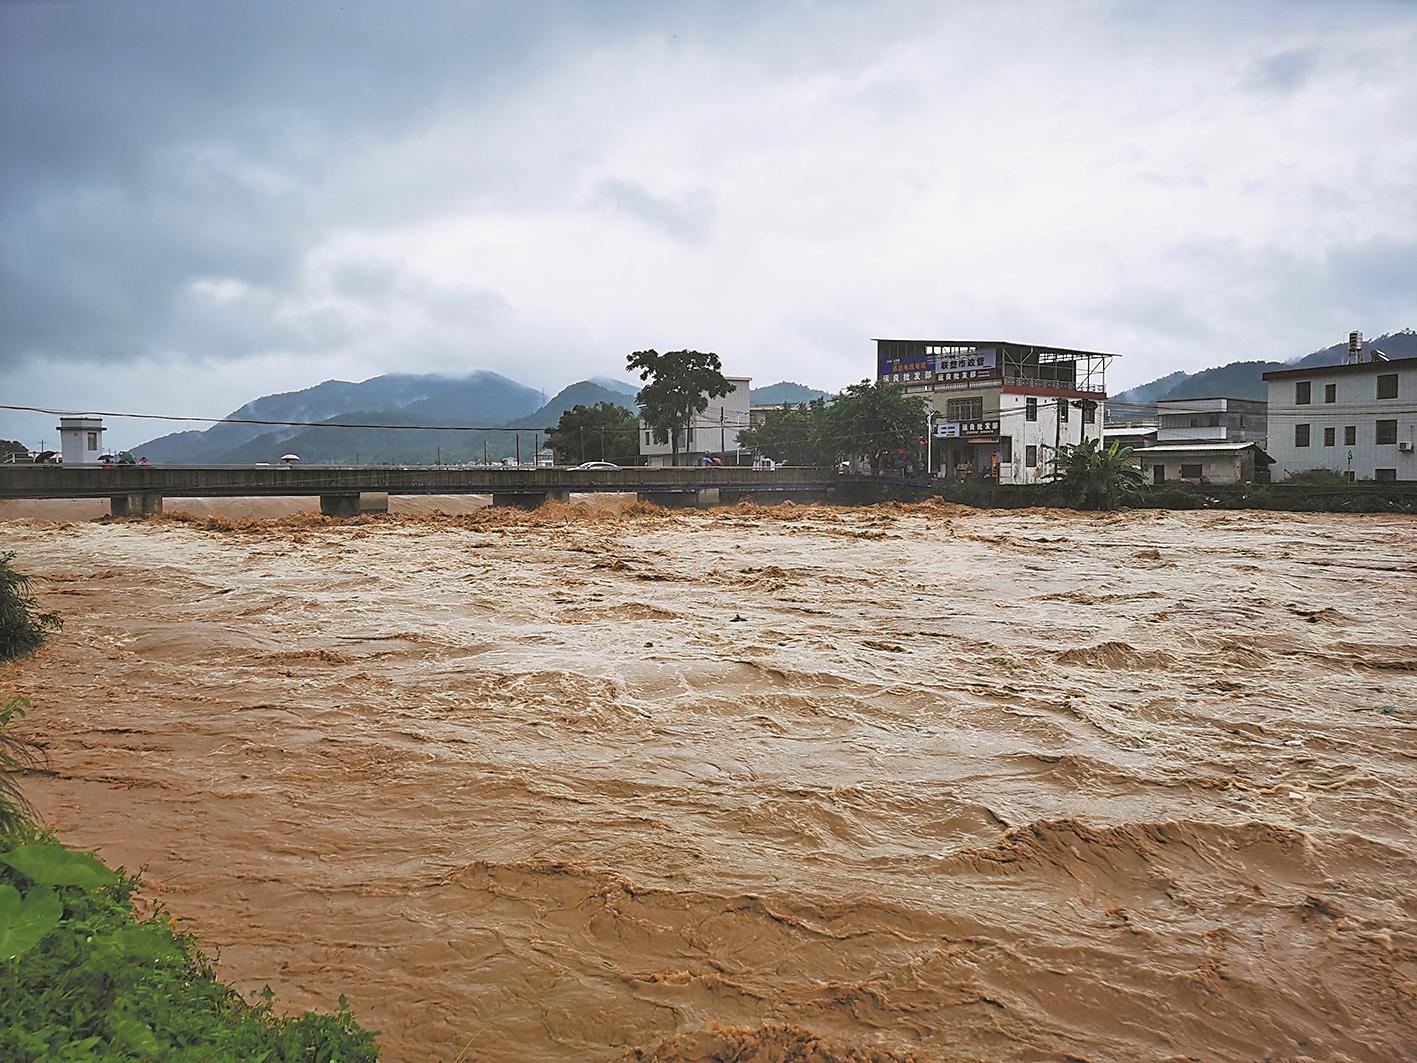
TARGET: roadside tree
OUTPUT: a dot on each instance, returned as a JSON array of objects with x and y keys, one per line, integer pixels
[
  {"x": 603, "y": 432},
  {"x": 796, "y": 434},
  {"x": 880, "y": 422},
  {"x": 681, "y": 383}
]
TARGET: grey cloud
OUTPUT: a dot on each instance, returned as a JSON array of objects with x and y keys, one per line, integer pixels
[
  {"x": 1285, "y": 71},
  {"x": 688, "y": 218}
]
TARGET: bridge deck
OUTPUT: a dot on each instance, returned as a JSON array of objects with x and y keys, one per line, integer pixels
[{"x": 235, "y": 481}]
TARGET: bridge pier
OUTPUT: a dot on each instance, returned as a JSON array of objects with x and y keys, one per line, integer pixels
[
  {"x": 136, "y": 505},
  {"x": 529, "y": 499},
  {"x": 703, "y": 496},
  {"x": 353, "y": 504}
]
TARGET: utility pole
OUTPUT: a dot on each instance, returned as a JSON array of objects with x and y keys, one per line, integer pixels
[
  {"x": 438, "y": 460},
  {"x": 519, "y": 449},
  {"x": 929, "y": 441}
]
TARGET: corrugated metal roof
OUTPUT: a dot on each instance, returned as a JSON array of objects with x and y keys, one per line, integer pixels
[{"x": 1173, "y": 448}]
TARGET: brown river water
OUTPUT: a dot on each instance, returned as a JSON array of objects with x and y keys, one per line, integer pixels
[{"x": 793, "y": 784}]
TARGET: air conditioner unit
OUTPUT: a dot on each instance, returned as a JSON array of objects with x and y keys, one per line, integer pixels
[{"x": 1405, "y": 445}]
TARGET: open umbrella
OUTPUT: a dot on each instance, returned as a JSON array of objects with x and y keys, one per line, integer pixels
[{"x": 289, "y": 459}]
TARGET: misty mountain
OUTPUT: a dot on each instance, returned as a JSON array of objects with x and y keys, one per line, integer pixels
[
  {"x": 785, "y": 391},
  {"x": 478, "y": 398},
  {"x": 1243, "y": 380}
]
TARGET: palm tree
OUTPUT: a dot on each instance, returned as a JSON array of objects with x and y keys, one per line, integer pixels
[{"x": 1091, "y": 476}]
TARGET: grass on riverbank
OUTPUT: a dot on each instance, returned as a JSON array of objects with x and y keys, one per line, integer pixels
[{"x": 83, "y": 977}]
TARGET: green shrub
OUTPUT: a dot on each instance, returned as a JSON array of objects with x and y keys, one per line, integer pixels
[
  {"x": 1320, "y": 477},
  {"x": 83, "y": 978},
  {"x": 22, "y": 626}
]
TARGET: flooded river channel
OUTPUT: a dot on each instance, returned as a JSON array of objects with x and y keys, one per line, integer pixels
[{"x": 811, "y": 783}]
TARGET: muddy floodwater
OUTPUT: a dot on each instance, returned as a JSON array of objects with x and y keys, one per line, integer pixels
[{"x": 793, "y": 784}]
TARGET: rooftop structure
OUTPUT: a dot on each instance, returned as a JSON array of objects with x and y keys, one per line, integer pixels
[{"x": 81, "y": 439}]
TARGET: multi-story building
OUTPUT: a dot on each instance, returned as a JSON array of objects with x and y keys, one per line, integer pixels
[
  {"x": 1216, "y": 420},
  {"x": 713, "y": 432},
  {"x": 997, "y": 407},
  {"x": 1359, "y": 419}
]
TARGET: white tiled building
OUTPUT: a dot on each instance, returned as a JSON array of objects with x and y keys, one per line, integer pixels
[
  {"x": 1359, "y": 419},
  {"x": 712, "y": 432}
]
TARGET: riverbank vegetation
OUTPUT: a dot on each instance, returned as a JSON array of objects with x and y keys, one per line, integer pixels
[
  {"x": 22, "y": 625},
  {"x": 83, "y": 976}
]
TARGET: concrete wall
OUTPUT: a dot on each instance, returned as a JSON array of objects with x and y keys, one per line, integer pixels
[{"x": 1357, "y": 405}]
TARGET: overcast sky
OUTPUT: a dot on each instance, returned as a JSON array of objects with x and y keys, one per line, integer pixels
[{"x": 205, "y": 202}]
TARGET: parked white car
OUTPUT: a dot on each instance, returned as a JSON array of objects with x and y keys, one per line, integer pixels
[{"x": 594, "y": 465}]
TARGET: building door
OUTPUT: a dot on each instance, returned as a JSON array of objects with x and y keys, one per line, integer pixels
[{"x": 1158, "y": 474}]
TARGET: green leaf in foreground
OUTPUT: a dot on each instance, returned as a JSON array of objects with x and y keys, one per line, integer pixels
[
  {"x": 51, "y": 864},
  {"x": 25, "y": 923}
]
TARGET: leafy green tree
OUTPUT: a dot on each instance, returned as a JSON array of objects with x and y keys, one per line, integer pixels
[
  {"x": 681, "y": 383},
  {"x": 880, "y": 422},
  {"x": 796, "y": 434},
  {"x": 603, "y": 432},
  {"x": 1090, "y": 476}
]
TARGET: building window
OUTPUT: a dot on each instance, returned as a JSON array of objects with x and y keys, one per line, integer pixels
[
  {"x": 1385, "y": 475},
  {"x": 1158, "y": 474},
  {"x": 647, "y": 438},
  {"x": 1329, "y": 436},
  {"x": 1213, "y": 421},
  {"x": 1387, "y": 432},
  {"x": 1301, "y": 435},
  {"x": 1301, "y": 392},
  {"x": 1030, "y": 409},
  {"x": 1190, "y": 472},
  {"x": 1350, "y": 435},
  {"x": 964, "y": 409},
  {"x": 661, "y": 436},
  {"x": 1030, "y": 457},
  {"x": 93, "y": 440},
  {"x": 1387, "y": 386},
  {"x": 1195, "y": 422},
  {"x": 1089, "y": 412},
  {"x": 1330, "y": 393},
  {"x": 1064, "y": 410}
]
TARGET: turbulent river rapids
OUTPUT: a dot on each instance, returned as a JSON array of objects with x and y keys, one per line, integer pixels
[{"x": 800, "y": 783}]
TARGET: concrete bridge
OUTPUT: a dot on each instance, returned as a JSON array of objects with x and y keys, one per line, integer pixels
[{"x": 345, "y": 490}]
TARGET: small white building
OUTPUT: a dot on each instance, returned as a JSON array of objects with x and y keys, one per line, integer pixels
[
  {"x": 712, "y": 432},
  {"x": 80, "y": 439},
  {"x": 1359, "y": 419},
  {"x": 1203, "y": 463},
  {"x": 1211, "y": 420}
]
